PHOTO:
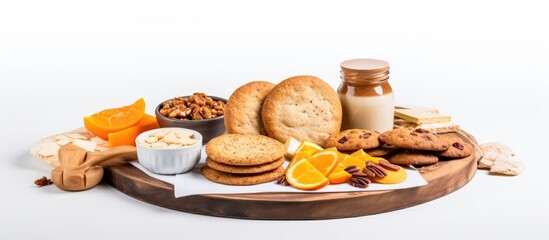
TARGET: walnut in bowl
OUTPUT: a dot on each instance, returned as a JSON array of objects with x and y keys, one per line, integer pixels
[{"x": 199, "y": 112}]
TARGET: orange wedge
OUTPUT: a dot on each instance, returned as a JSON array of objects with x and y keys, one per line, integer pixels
[
  {"x": 339, "y": 175},
  {"x": 325, "y": 160},
  {"x": 306, "y": 149},
  {"x": 127, "y": 136},
  {"x": 115, "y": 119},
  {"x": 303, "y": 175},
  {"x": 360, "y": 154}
]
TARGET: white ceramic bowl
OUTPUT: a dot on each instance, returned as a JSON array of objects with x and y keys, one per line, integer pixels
[{"x": 169, "y": 160}]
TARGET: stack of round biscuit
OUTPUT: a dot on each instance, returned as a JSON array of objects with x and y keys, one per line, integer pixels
[{"x": 243, "y": 159}]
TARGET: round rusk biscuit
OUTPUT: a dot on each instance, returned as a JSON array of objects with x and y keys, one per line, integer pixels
[
  {"x": 302, "y": 107},
  {"x": 415, "y": 158},
  {"x": 244, "y": 149},
  {"x": 243, "y": 109},
  {"x": 353, "y": 139},
  {"x": 458, "y": 147},
  {"x": 244, "y": 169},
  {"x": 415, "y": 139},
  {"x": 241, "y": 179}
]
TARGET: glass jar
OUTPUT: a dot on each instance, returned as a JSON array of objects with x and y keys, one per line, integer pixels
[{"x": 366, "y": 96}]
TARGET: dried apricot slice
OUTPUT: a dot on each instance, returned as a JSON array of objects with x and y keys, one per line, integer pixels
[
  {"x": 393, "y": 177},
  {"x": 115, "y": 119},
  {"x": 128, "y": 135}
]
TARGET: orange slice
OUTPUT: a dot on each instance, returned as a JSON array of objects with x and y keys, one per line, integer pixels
[
  {"x": 306, "y": 149},
  {"x": 360, "y": 154},
  {"x": 128, "y": 135},
  {"x": 115, "y": 119},
  {"x": 339, "y": 175},
  {"x": 303, "y": 175},
  {"x": 325, "y": 161}
]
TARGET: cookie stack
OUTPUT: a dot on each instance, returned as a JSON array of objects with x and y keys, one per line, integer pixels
[
  {"x": 243, "y": 159},
  {"x": 421, "y": 147}
]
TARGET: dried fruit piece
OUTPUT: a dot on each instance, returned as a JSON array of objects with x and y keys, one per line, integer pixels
[
  {"x": 43, "y": 181},
  {"x": 127, "y": 136},
  {"x": 115, "y": 119}
]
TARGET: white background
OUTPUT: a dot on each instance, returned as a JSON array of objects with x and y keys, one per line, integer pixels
[{"x": 486, "y": 63}]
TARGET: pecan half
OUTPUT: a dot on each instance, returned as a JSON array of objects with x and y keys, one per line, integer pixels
[
  {"x": 282, "y": 181},
  {"x": 351, "y": 169},
  {"x": 359, "y": 180},
  {"x": 387, "y": 165},
  {"x": 377, "y": 170}
]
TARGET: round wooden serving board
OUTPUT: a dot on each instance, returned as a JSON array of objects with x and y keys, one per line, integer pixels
[{"x": 443, "y": 178}]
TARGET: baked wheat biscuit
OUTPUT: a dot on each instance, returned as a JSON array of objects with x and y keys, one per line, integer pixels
[
  {"x": 243, "y": 109},
  {"x": 303, "y": 107},
  {"x": 416, "y": 139},
  {"x": 415, "y": 158},
  {"x": 244, "y": 149},
  {"x": 353, "y": 139},
  {"x": 244, "y": 169},
  {"x": 458, "y": 148},
  {"x": 241, "y": 179}
]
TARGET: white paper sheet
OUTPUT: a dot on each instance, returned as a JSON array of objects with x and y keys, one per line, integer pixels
[{"x": 193, "y": 182}]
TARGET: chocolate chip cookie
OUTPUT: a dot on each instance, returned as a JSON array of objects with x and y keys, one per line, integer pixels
[
  {"x": 383, "y": 150},
  {"x": 415, "y": 158},
  {"x": 353, "y": 139},
  {"x": 415, "y": 139},
  {"x": 458, "y": 147}
]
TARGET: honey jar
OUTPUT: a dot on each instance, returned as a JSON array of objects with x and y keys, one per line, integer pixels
[{"x": 366, "y": 96}]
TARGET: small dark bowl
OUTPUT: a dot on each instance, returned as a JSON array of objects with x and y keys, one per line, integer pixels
[{"x": 209, "y": 128}]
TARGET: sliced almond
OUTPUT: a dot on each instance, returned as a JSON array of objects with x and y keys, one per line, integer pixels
[
  {"x": 98, "y": 140},
  {"x": 170, "y": 138},
  {"x": 62, "y": 142},
  {"x": 74, "y": 135},
  {"x": 151, "y": 140},
  {"x": 85, "y": 144},
  {"x": 159, "y": 135},
  {"x": 159, "y": 145},
  {"x": 184, "y": 134},
  {"x": 48, "y": 149}
]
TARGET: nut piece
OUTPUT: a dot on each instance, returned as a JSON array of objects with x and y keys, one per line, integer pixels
[
  {"x": 196, "y": 107},
  {"x": 168, "y": 139},
  {"x": 387, "y": 165},
  {"x": 374, "y": 170}
]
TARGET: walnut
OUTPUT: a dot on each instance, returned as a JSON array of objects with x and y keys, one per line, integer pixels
[{"x": 196, "y": 107}]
